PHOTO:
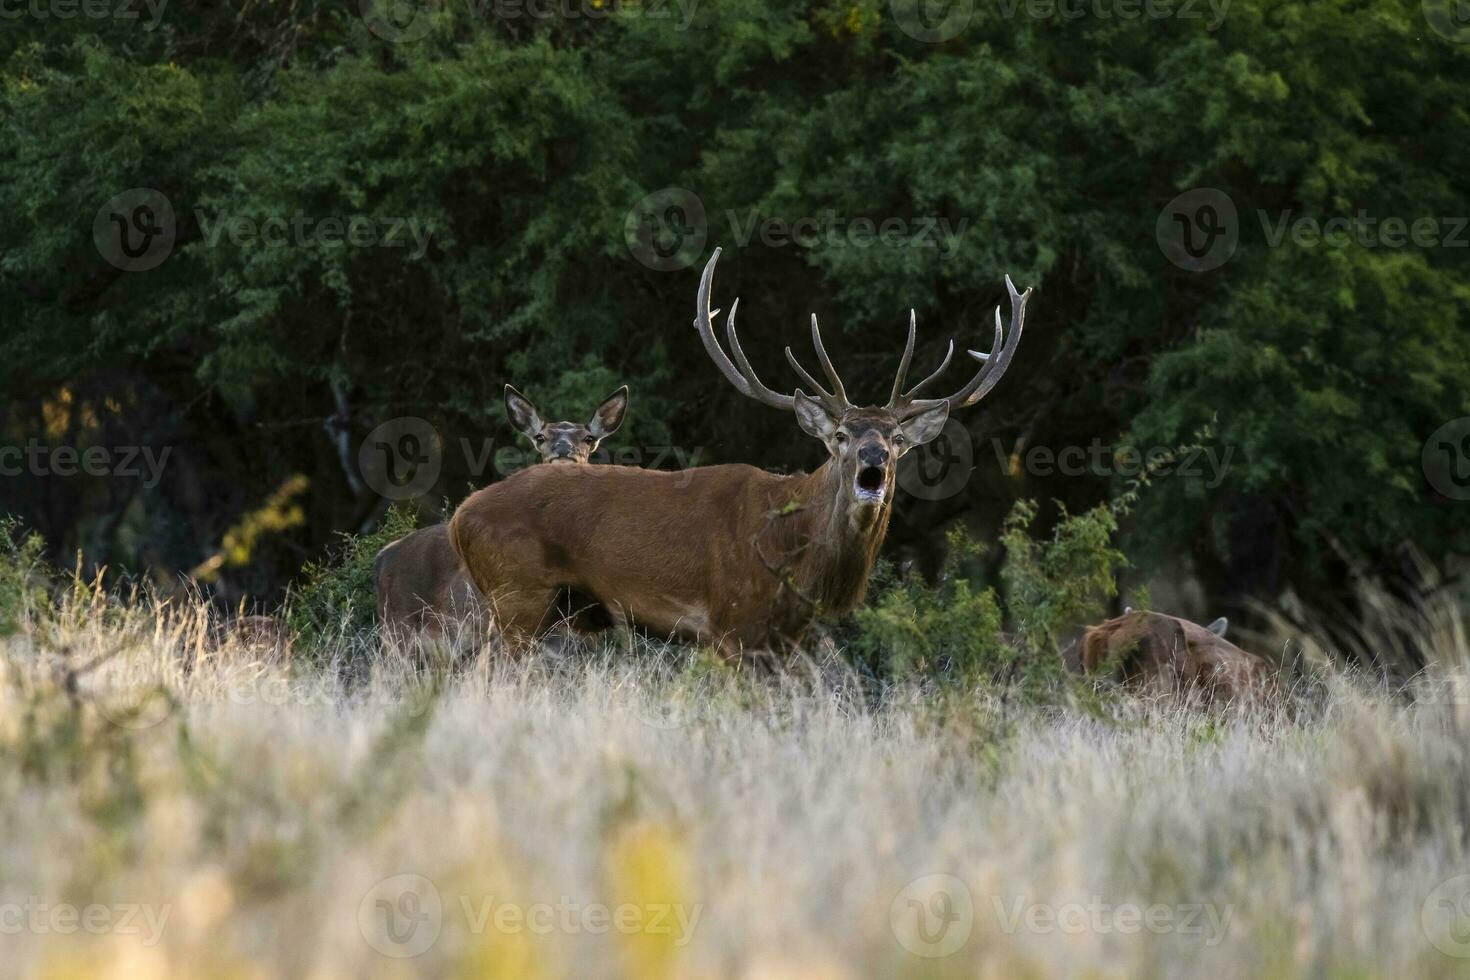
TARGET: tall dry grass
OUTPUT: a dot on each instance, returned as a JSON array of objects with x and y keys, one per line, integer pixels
[{"x": 173, "y": 806}]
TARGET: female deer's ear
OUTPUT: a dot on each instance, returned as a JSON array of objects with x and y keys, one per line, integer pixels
[
  {"x": 812, "y": 417},
  {"x": 609, "y": 414},
  {"x": 522, "y": 414}
]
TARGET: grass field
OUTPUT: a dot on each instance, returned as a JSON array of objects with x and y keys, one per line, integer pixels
[{"x": 195, "y": 811}]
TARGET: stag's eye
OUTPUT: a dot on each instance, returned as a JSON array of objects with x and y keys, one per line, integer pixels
[
  {"x": 841, "y": 438},
  {"x": 899, "y": 440},
  {"x": 540, "y": 438},
  {"x": 589, "y": 440}
]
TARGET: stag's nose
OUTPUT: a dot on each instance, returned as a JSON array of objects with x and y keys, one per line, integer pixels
[{"x": 873, "y": 454}]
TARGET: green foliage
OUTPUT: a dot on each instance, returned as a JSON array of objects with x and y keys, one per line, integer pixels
[
  {"x": 24, "y": 576},
  {"x": 952, "y": 630},
  {"x": 519, "y": 147},
  {"x": 1060, "y": 581},
  {"x": 949, "y": 629},
  {"x": 336, "y": 597}
]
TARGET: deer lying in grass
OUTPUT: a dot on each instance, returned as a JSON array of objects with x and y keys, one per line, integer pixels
[
  {"x": 421, "y": 583},
  {"x": 732, "y": 556},
  {"x": 1144, "y": 647}
]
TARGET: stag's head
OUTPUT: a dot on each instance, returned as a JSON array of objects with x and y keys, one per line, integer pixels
[
  {"x": 864, "y": 442},
  {"x": 565, "y": 442}
]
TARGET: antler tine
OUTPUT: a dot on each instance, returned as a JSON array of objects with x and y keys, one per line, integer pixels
[
  {"x": 903, "y": 365},
  {"x": 839, "y": 393},
  {"x": 992, "y": 365},
  {"x": 822, "y": 393},
  {"x": 747, "y": 371},
  {"x": 901, "y": 400},
  {"x": 743, "y": 378}
]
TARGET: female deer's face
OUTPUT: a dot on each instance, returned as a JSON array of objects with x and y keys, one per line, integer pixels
[
  {"x": 565, "y": 442},
  {"x": 867, "y": 443}
]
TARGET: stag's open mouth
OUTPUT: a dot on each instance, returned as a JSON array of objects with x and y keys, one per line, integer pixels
[{"x": 871, "y": 483}]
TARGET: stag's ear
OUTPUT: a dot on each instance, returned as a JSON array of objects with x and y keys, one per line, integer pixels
[
  {"x": 813, "y": 418},
  {"x": 609, "y": 414},
  {"x": 926, "y": 425},
  {"x": 1219, "y": 626},
  {"x": 522, "y": 414}
]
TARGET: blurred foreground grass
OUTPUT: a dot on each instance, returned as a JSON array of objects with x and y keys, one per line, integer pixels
[{"x": 179, "y": 806}]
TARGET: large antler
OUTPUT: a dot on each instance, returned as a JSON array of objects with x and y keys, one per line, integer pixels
[
  {"x": 743, "y": 376},
  {"x": 992, "y": 365}
]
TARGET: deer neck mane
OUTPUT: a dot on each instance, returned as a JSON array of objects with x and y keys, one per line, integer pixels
[{"x": 833, "y": 543}]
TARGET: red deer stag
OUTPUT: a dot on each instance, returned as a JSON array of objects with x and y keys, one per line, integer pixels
[
  {"x": 420, "y": 582},
  {"x": 728, "y": 555}
]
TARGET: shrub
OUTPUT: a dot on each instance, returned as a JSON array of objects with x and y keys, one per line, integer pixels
[
  {"x": 24, "y": 576},
  {"x": 952, "y": 630},
  {"x": 1059, "y": 582},
  {"x": 335, "y": 599}
]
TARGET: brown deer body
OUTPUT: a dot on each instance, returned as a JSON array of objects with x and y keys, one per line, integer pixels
[
  {"x": 421, "y": 584},
  {"x": 1142, "y": 648},
  {"x": 728, "y": 555}
]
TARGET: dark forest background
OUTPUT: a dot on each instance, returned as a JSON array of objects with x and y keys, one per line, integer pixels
[{"x": 572, "y": 165}]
